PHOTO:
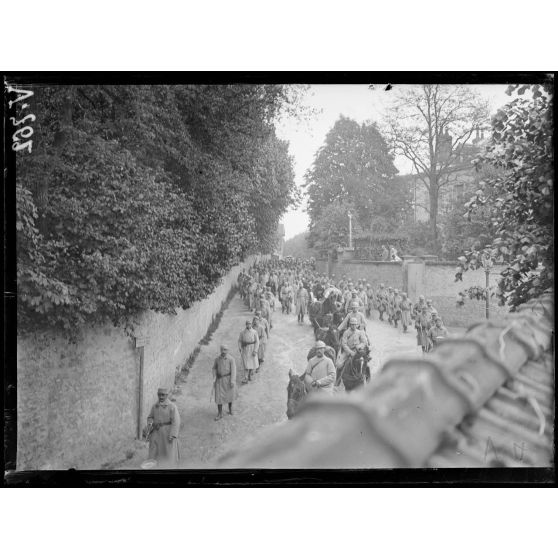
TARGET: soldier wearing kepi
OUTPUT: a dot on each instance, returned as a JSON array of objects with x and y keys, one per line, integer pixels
[
  {"x": 248, "y": 345},
  {"x": 321, "y": 370},
  {"x": 164, "y": 423},
  {"x": 224, "y": 381}
]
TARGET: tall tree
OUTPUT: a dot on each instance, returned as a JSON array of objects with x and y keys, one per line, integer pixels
[
  {"x": 430, "y": 125},
  {"x": 354, "y": 166},
  {"x": 519, "y": 200},
  {"x": 142, "y": 197},
  {"x": 331, "y": 229}
]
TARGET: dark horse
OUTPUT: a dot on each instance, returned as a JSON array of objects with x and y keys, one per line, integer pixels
[
  {"x": 355, "y": 371},
  {"x": 330, "y": 336},
  {"x": 314, "y": 311},
  {"x": 297, "y": 391}
]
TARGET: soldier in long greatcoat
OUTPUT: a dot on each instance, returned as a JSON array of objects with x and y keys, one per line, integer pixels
[
  {"x": 164, "y": 423},
  {"x": 224, "y": 381},
  {"x": 405, "y": 306},
  {"x": 301, "y": 303},
  {"x": 396, "y": 301},
  {"x": 265, "y": 308},
  {"x": 248, "y": 345},
  {"x": 321, "y": 370},
  {"x": 259, "y": 325}
]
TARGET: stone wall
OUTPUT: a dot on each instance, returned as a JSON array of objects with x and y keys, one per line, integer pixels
[
  {"x": 78, "y": 403},
  {"x": 389, "y": 273},
  {"x": 438, "y": 284}
]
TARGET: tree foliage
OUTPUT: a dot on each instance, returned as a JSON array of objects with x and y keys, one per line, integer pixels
[
  {"x": 331, "y": 231},
  {"x": 354, "y": 169},
  {"x": 143, "y": 197},
  {"x": 519, "y": 200},
  {"x": 430, "y": 125},
  {"x": 297, "y": 247}
]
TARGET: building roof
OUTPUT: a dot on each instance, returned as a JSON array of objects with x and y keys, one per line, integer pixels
[{"x": 482, "y": 400}]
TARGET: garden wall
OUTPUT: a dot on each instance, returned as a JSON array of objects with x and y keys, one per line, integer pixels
[
  {"x": 78, "y": 402},
  {"x": 438, "y": 284},
  {"x": 375, "y": 273}
]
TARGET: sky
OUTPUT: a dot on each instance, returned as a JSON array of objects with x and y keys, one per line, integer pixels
[{"x": 356, "y": 102}]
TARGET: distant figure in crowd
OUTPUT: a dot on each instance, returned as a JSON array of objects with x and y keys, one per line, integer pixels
[
  {"x": 260, "y": 328},
  {"x": 381, "y": 301},
  {"x": 354, "y": 313},
  {"x": 405, "y": 306},
  {"x": 393, "y": 254},
  {"x": 431, "y": 308},
  {"x": 248, "y": 345},
  {"x": 437, "y": 332},
  {"x": 301, "y": 303},
  {"x": 164, "y": 423},
  {"x": 321, "y": 370},
  {"x": 385, "y": 254},
  {"x": 265, "y": 309},
  {"x": 224, "y": 381}
]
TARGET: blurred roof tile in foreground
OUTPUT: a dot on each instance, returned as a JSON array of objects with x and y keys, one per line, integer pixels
[{"x": 484, "y": 400}]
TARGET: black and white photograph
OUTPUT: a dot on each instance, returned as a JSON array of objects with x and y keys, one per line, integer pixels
[{"x": 240, "y": 272}]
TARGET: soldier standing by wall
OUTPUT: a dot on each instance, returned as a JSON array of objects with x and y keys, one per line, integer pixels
[
  {"x": 224, "y": 381},
  {"x": 164, "y": 423},
  {"x": 248, "y": 345}
]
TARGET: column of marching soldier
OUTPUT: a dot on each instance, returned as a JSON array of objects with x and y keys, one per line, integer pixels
[{"x": 293, "y": 285}]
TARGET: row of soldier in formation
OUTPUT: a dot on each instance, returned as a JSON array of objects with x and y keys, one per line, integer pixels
[
  {"x": 390, "y": 304},
  {"x": 296, "y": 283},
  {"x": 267, "y": 285},
  {"x": 348, "y": 303}
]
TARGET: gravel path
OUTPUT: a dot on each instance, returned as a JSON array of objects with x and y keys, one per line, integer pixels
[{"x": 262, "y": 403}]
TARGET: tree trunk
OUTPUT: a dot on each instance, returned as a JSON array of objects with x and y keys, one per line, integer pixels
[{"x": 433, "y": 195}]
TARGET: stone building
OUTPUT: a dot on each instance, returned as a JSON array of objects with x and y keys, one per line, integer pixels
[{"x": 462, "y": 178}]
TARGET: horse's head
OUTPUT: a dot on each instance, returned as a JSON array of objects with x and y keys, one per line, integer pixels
[
  {"x": 296, "y": 393},
  {"x": 333, "y": 336},
  {"x": 362, "y": 350},
  {"x": 360, "y": 359}
]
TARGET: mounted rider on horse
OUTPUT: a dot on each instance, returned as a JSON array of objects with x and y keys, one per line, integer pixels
[{"x": 352, "y": 360}]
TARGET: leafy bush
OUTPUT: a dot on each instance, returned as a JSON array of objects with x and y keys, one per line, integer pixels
[{"x": 143, "y": 197}]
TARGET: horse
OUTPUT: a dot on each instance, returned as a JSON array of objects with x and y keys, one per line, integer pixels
[
  {"x": 330, "y": 336},
  {"x": 297, "y": 391},
  {"x": 314, "y": 310},
  {"x": 355, "y": 371}
]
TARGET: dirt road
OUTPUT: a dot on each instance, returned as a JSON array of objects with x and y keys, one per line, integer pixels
[{"x": 263, "y": 402}]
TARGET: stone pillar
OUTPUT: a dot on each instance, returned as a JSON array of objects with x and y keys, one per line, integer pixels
[{"x": 413, "y": 279}]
